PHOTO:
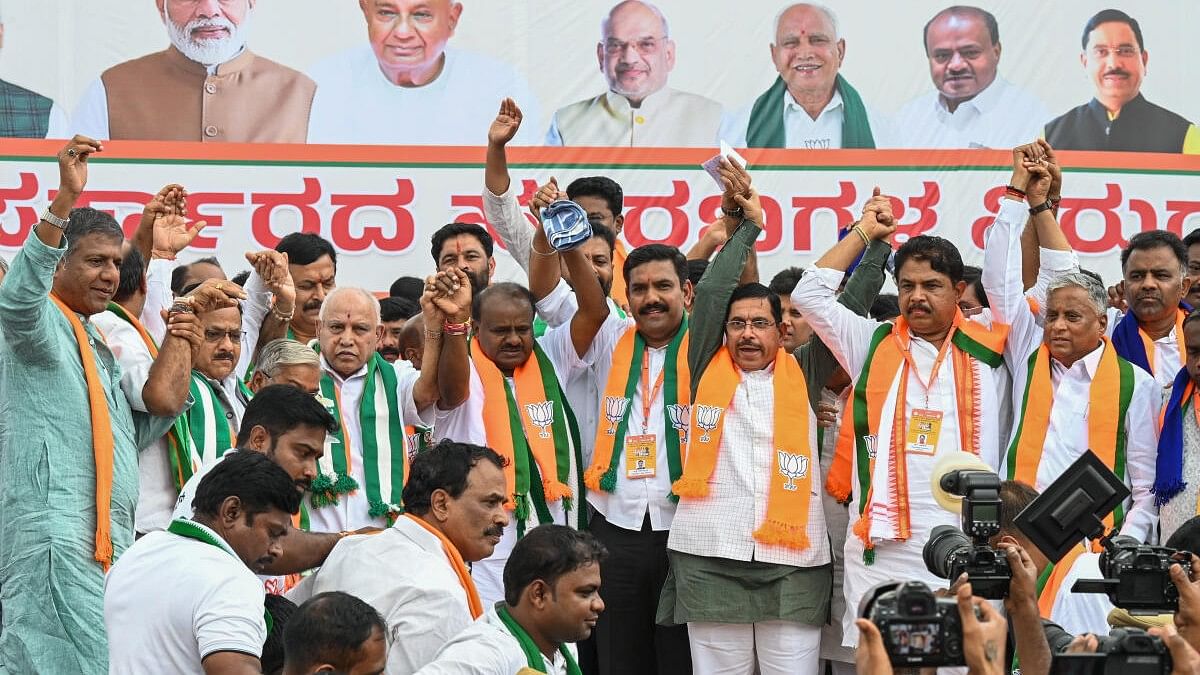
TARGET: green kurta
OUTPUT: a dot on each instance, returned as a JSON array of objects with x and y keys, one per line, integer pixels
[{"x": 51, "y": 588}]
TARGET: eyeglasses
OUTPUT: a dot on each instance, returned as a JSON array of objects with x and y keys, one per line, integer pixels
[
  {"x": 644, "y": 46},
  {"x": 1122, "y": 51},
  {"x": 739, "y": 325},
  {"x": 214, "y": 335}
]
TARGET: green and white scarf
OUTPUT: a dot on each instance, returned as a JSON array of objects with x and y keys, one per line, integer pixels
[
  {"x": 381, "y": 421},
  {"x": 193, "y": 530},
  {"x": 210, "y": 432},
  {"x": 533, "y": 655}
]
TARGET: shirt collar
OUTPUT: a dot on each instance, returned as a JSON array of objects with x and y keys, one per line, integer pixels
[
  {"x": 424, "y": 538},
  {"x": 337, "y": 377},
  {"x": 791, "y": 105},
  {"x": 985, "y": 101},
  {"x": 651, "y": 104},
  {"x": 1091, "y": 362}
]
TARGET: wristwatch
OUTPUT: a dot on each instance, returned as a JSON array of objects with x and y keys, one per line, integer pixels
[
  {"x": 735, "y": 212},
  {"x": 1044, "y": 206},
  {"x": 60, "y": 223}
]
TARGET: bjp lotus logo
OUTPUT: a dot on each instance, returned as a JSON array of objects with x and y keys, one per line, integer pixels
[
  {"x": 614, "y": 411},
  {"x": 792, "y": 465},
  {"x": 706, "y": 419},
  {"x": 680, "y": 414},
  {"x": 542, "y": 415}
]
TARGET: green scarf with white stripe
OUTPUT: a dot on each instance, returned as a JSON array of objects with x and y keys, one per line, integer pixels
[{"x": 210, "y": 430}]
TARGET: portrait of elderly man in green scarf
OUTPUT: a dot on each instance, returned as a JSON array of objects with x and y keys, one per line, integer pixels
[{"x": 810, "y": 105}]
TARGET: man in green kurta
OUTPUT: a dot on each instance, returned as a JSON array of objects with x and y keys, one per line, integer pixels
[{"x": 53, "y": 556}]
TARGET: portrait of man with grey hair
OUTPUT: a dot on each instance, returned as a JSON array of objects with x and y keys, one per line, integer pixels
[
  {"x": 971, "y": 105},
  {"x": 27, "y": 114},
  {"x": 206, "y": 86},
  {"x": 636, "y": 55},
  {"x": 810, "y": 105}
]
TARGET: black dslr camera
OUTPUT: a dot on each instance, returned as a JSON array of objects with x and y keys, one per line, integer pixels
[
  {"x": 918, "y": 628},
  {"x": 1136, "y": 575},
  {"x": 1124, "y": 651},
  {"x": 949, "y": 552}
]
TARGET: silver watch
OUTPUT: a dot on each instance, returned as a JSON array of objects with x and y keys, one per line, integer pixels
[{"x": 60, "y": 223}]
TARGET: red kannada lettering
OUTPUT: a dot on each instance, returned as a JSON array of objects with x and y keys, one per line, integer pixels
[
  {"x": 476, "y": 215},
  {"x": 129, "y": 223},
  {"x": 27, "y": 216},
  {"x": 1069, "y": 211},
  {"x": 267, "y": 202},
  {"x": 1180, "y": 211},
  {"x": 209, "y": 238},
  {"x": 806, "y": 207},
  {"x": 772, "y": 234},
  {"x": 637, "y": 205},
  {"x": 924, "y": 204},
  {"x": 373, "y": 235}
]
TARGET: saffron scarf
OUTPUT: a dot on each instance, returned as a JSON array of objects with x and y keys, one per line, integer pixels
[
  {"x": 530, "y": 424},
  {"x": 1051, "y": 580},
  {"x": 1135, "y": 346},
  {"x": 786, "y": 522},
  {"x": 970, "y": 342},
  {"x": 457, "y": 564},
  {"x": 380, "y": 417},
  {"x": 533, "y": 655},
  {"x": 103, "y": 445},
  {"x": 178, "y": 436},
  {"x": 1168, "y": 476},
  {"x": 766, "y": 128},
  {"x": 623, "y": 379},
  {"x": 210, "y": 431},
  {"x": 1109, "y": 396}
]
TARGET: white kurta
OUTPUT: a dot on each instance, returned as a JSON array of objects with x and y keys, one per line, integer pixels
[
  {"x": 486, "y": 647},
  {"x": 464, "y": 424},
  {"x": 1067, "y": 435},
  {"x": 802, "y": 131},
  {"x": 356, "y": 103},
  {"x": 403, "y": 573},
  {"x": 353, "y": 511},
  {"x": 666, "y": 118},
  {"x": 1001, "y": 116},
  {"x": 849, "y": 338}
]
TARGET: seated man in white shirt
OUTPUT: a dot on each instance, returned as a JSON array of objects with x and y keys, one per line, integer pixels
[
  {"x": 406, "y": 86},
  {"x": 335, "y": 632},
  {"x": 636, "y": 55},
  {"x": 186, "y": 600},
  {"x": 415, "y": 572},
  {"x": 1077, "y": 613},
  {"x": 551, "y": 601},
  {"x": 971, "y": 105}
]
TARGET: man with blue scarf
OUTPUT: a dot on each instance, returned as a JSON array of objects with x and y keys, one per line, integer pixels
[{"x": 1177, "y": 485}]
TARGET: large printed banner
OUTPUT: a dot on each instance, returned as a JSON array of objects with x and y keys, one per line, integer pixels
[{"x": 379, "y": 205}]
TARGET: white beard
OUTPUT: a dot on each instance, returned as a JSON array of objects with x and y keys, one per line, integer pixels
[{"x": 209, "y": 52}]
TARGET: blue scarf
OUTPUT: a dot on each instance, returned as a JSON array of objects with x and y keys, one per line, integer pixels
[
  {"x": 1168, "y": 479},
  {"x": 1127, "y": 339}
]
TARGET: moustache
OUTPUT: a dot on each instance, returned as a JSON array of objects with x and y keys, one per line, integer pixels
[
  {"x": 921, "y": 307},
  {"x": 747, "y": 343},
  {"x": 658, "y": 306},
  {"x": 389, "y": 351},
  {"x": 223, "y": 356},
  {"x": 264, "y": 562},
  {"x": 494, "y": 531},
  {"x": 304, "y": 484},
  {"x": 1117, "y": 71},
  {"x": 312, "y": 304}
]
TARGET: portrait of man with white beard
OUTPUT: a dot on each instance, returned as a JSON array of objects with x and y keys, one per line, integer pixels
[{"x": 207, "y": 86}]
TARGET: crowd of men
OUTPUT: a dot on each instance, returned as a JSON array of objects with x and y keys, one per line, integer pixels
[
  {"x": 279, "y": 473},
  {"x": 209, "y": 85}
]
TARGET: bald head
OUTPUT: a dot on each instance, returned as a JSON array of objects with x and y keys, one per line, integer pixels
[
  {"x": 350, "y": 329},
  {"x": 806, "y": 10},
  {"x": 412, "y": 340}
]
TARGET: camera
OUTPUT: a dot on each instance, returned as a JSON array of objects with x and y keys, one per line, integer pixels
[
  {"x": 1136, "y": 575},
  {"x": 951, "y": 552},
  {"x": 918, "y": 628},
  {"x": 1124, "y": 651}
]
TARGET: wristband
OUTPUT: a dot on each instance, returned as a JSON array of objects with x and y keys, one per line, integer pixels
[
  {"x": 1014, "y": 191},
  {"x": 180, "y": 307},
  {"x": 456, "y": 328},
  {"x": 60, "y": 223},
  {"x": 857, "y": 229},
  {"x": 1044, "y": 206},
  {"x": 284, "y": 318}
]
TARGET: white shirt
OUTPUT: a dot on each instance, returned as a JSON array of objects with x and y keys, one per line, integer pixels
[
  {"x": 486, "y": 647},
  {"x": 849, "y": 338},
  {"x": 837, "y": 519},
  {"x": 255, "y": 307},
  {"x": 1067, "y": 435},
  {"x": 665, "y": 118},
  {"x": 802, "y": 131},
  {"x": 722, "y": 524},
  {"x": 356, "y": 103},
  {"x": 402, "y": 572},
  {"x": 1080, "y": 613},
  {"x": 1167, "y": 359},
  {"x": 1001, "y": 116},
  {"x": 464, "y": 424},
  {"x": 352, "y": 510},
  {"x": 170, "y": 601}
]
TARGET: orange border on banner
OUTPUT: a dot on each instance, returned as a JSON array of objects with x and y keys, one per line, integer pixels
[{"x": 630, "y": 158}]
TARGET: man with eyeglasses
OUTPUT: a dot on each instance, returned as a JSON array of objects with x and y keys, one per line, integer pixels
[
  {"x": 971, "y": 105},
  {"x": 1119, "y": 117},
  {"x": 636, "y": 55},
  {"x": 750, "y": 524}
]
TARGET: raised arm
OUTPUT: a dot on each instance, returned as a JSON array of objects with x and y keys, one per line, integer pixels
[
  {"x": 1002, "y": 260},
  {"x": 171, "y": 198},
  {"x": 545, "y": 263},
  {"x": 427, "y": 391},
  {"x": 500, "y": 205},
  {"x": 452, "y": 296}
]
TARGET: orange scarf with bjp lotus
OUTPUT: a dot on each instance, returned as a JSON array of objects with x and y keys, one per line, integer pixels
[
  {"x": 971, "y": 344},
  {"x": 103, "y": 445},
  {"x": 786, "y": 521}
]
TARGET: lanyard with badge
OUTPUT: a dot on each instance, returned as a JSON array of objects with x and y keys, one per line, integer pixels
[
  {"x": 641, "y": 451},
  {"x": 925, "y": 425},
  {"x": 190, "y": 530}
]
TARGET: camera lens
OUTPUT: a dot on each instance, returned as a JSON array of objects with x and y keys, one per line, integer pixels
[{"x": 942, "y": 544}]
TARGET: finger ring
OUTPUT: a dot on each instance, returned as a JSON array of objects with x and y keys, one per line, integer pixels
[
  {"x": 72, "y": 152},
  {"x": 217, "y": 286}
]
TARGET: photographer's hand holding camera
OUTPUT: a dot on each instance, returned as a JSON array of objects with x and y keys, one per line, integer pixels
[
  {"x": 1187, "y": 617},
  {"x": 984, "y": 633},
  {"x": 1021, "y": 605}
]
